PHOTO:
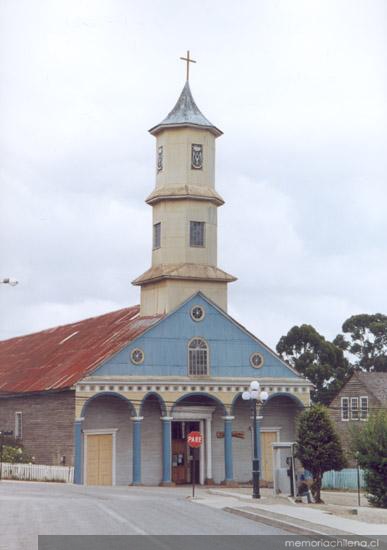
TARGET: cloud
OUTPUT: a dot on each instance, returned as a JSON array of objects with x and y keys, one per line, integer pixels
[{"x": 299, "y": 89}]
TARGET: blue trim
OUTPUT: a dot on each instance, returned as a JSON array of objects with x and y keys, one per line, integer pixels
[
  {"x": 161, "y": 401},
  {"x": 132, "y": 408},
  {"x": 136, "y": 452},
  {"x": 167, "y": 451},
  {"x": 166, "y": 353},
  {"x": 200, "y": 394},
  {"x": 78, "y": 452},
  {"x": 228, "y": 465}
]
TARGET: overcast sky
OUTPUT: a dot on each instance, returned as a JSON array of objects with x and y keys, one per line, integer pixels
[{"x": 297, "y": 86}]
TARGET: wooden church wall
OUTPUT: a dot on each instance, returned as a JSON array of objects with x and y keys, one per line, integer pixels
[{"x": 166, "y": 353}]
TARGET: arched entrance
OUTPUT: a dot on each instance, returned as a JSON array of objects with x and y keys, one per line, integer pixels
[
  {"x": 278, "y": 424},
  {"x": 204, "y": 413},
  {"x": 277, "y": 420},
  {"x": 107, "y": 436},
  {"x": 152, "y": 411}
]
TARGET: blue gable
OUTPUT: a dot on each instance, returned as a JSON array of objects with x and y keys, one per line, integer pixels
[{"x": 165, "y": 347}]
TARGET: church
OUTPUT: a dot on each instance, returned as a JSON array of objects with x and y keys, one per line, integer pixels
[{"x": 116, "y": 395}]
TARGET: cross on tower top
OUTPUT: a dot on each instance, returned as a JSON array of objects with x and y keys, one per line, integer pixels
[{"x": 188, "y": 60}]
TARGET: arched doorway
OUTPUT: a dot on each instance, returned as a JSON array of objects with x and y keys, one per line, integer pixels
[
  {"x": 152, "y": 410},
  {"x": 107, "y": 436},
  {"x": 204, "y": 413},
  {"x": 278, "y": 424}
]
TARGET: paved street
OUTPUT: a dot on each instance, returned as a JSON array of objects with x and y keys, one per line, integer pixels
[{"x": 28, "y": 509}]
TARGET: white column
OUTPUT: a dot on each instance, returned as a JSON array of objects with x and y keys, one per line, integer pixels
[
  {"x": 208, "y": 443},
  {"x": 201, "y": 456}
]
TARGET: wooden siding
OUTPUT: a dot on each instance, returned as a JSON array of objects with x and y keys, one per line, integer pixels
[
  {"x": 48, "y": 421},
  {"x": 109, "y": 413},
  {"x": 151, "y": 443},
  {"x": 353, "y": 388},
  {"x": 166, "y": 352}
]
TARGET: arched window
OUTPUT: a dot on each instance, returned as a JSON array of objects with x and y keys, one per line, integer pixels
[{"x": 198, "y": 357}]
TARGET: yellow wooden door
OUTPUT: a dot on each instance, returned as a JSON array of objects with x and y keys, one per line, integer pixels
[
  {"x": 99, "y": 459},
  {"x": 267, "y": 439}
]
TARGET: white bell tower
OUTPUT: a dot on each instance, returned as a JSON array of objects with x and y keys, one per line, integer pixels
[{"x": 184, "y": 202}]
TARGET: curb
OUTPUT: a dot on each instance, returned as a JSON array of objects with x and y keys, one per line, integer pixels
[
  {"x": 238, "y": 496},
  {"x": 285, "y": 525}
]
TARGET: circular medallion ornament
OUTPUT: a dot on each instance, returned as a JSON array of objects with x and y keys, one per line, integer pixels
[
  {"x": 197, "y": 313},
  {"x": 256, "y": 360},
  {"x": 137, "y": 356}
]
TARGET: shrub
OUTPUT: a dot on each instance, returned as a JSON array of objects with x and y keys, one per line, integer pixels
[
  {"x": 369, "y": 443},
  {"x": 15, "y": 454},
  {"x": 318, "y": 446}
]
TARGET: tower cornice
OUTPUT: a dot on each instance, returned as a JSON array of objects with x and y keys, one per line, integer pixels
[
  {"x": 193, "y": 192},
  {"x": 184, "y": 271}
]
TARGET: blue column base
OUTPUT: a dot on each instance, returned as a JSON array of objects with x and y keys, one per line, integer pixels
[
  {"x": 137, "y": 450},
  {"x": 167, "y": 451},
  {"x": 78, "y": 452}
]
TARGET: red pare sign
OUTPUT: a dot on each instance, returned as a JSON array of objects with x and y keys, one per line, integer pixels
[{"x": 195, "y": 439}]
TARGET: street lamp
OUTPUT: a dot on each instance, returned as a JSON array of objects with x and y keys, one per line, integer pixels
[
  {"x": 254, "y": 395},
  {"x": 8, "y": 281}
]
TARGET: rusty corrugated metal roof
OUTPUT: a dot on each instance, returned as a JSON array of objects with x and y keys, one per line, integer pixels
[{"x": 56, "y": 358}]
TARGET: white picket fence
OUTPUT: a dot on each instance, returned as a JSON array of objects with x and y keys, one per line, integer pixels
[{"x": 37, "y": 472}]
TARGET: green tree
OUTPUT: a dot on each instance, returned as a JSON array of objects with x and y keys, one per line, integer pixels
[
  {"x": 365, "y": 337},
  {"x": 321, "y": 361},
  {"x": 318, "y": 446},
  {"x": 370, "y": 446}
]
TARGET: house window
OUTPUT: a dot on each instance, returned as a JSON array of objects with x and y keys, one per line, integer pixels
[
  {"x": 196, "y": 234},
  {"x": 354, "y": 408},
  {"x": 18, "y": 425},
  {"x": 345, "y": 408},
  {"x": 364, "y": 408},
  {"x": 198, "y": 357},
  {"x": 156, "y": 235}
]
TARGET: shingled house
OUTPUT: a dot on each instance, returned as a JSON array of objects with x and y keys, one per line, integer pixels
[{"x": 363, "y": 393}]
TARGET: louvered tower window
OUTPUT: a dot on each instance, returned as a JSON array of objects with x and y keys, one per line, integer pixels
[
  {"x": 156, "y": 236},
  {"x": 196, "y": 234}
]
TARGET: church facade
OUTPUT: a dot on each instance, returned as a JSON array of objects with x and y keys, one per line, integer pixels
[{"x": 178, "y": 362}]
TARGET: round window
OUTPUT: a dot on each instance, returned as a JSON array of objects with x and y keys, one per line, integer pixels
[
  {"x": 197, "y": 313},
  {"x": 256, "y": 360},
  {"x": 137, "y": 356}
]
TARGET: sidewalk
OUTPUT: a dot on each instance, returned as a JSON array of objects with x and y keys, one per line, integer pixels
[{"x": 311, "y": 519}]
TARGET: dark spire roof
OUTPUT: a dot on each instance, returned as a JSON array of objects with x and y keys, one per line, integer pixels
[{"x": 186, "y": 113}]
